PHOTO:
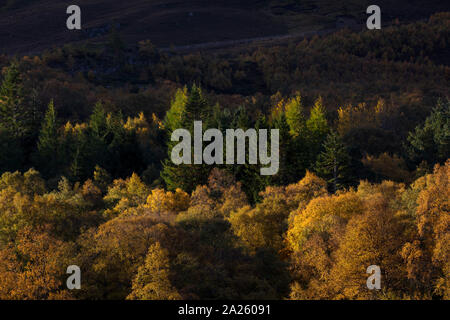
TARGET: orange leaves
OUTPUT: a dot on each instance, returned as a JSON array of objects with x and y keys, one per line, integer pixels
[
  {"x": 152, "y": 279},
  {"x": 360, "y": 115},
  {"x": 321, "y": 215},
  {"x": 433, "y": 202},
  {"x": 132, "y": 189},
  {"x": 265, "y": 225},
  {"x": 161, "y": 201},
  {"x": 433, "y": 222},
  {"x": 335, "y": 238},
  {"x": 158, "y": 244},
  {"x": 34, "y": 269}
]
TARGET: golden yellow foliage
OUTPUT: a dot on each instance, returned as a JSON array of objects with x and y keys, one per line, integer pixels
[
  {"x": 433, "y": 223},
  {"x": 35, "y": 267},
  {"x": 152, "y": 280},
  {"x": 373, "y": 238},
  {"x": 161, "y": 201},
  {"x": 320, "y": 215}
]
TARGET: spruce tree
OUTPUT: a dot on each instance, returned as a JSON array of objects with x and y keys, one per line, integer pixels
[
  {"x": 248, "y": 174},
  {"x": 297, "y": 154},
  {"x": 97, "y": 151},
  {"x": 430, "y": 142},
  {"x": 242, "y": 120},
  {"x": 284, "y": 175},
  {"x": 48, "y": 143},
  {"x": 80, "y": 165},
  {"x": 333, "y": 163},
  {"x": 97, "y": 121},
  {"x": 188, "y": 176},
  {"x": 13, "y": 114},
  {"x": 317, "y": 130},
  {"x": 196, "y": 109},
  {"x": 13, "y": 121}
]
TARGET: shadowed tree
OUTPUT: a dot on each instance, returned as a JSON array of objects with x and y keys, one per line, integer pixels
[
  {"x": 187, "y": 176},
  {"x": 430, "y": 142},
  {"x": 333, "y": 163},
  {"x": 48, "y": 158},
  {"x": 13, "y": 115}
]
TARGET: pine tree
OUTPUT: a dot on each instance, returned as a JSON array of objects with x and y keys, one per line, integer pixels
[
  {"x": 242, "y": 120},
  {"x": 14, "y": 123},
  {"x": 188, "y": 176},
  {"x": 97, "y": 151},
  {"x": 297, "y": 155},
  {"x": 317, "y": 130},
  {"x": 48, "y": 142},
  {"x": 13, "y": 115},
  {"x": 76, "y": 169},
  {"x": 222, "y": 118},
  {"x": 196, "y": 109},
  {"x": 284, "y": 175},
  {"x": 334, "y": 162},
  {"x": 248, "y": 174},
  {"x": 97, "y": 121},
  {"x": 76, "y": 154},
  {"x": 430, "y": 142}
]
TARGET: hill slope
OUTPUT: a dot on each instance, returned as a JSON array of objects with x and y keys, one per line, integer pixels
[{"x": 28, "y": 26}]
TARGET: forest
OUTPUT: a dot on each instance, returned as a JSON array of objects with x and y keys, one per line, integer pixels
[{"x": 86, "y": 177}]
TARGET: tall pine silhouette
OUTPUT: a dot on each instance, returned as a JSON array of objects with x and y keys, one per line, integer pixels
[
  {"x": 13, "y": 114},
  {"x": 188, "y": 176},
  {"x": 333, "y": 163},
  {"x": 317, "y": 130},
  {"x": 48, "y": 143}
]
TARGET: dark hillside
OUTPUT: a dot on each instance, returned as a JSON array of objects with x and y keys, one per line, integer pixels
[{"x": 29, "y": 26}]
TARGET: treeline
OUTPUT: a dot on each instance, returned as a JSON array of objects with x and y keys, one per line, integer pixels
[
  {"x": 119, "y": 145},
  {"x": 404, "y": 66},
  {"x": 359, "y": 144},
  {"x": 355, "y": 147}
]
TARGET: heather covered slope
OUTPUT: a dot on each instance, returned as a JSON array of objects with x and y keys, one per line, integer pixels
[{"x": 28, "y": 26}]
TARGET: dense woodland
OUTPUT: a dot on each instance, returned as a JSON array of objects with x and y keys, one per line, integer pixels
[{"x": 87, "y": 180}]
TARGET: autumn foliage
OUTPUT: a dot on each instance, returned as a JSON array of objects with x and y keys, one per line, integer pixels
[
  {"x": 364, "y": 120},
  {"x": 299, "y": 241}
]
